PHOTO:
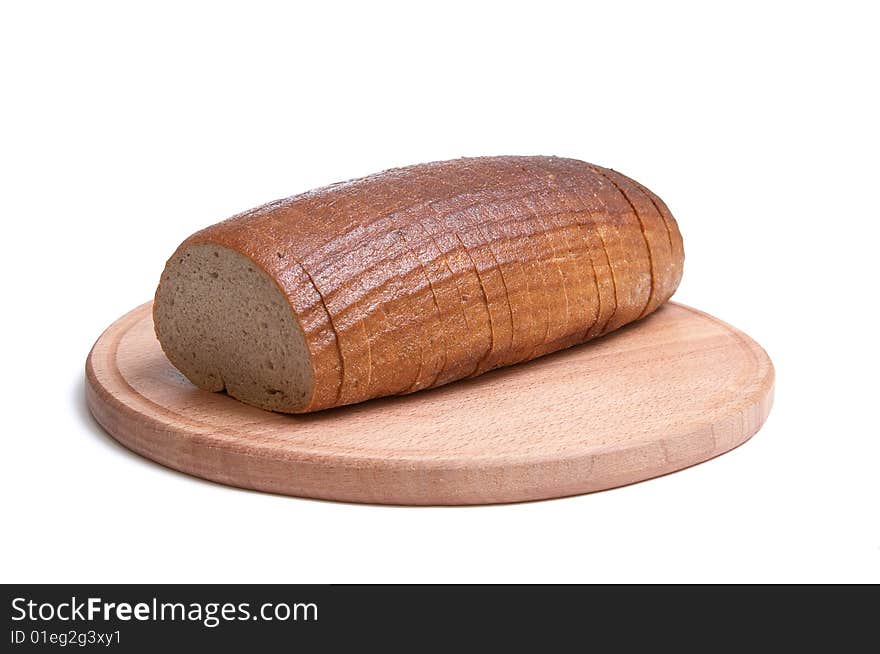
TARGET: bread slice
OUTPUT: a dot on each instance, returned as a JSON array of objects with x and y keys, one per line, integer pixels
[
  {"x": 226, "y": 325},
  {"x": 656, "y": 235}
]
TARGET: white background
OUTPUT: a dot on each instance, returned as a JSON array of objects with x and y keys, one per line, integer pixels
[{"x": 126, "y": 129}]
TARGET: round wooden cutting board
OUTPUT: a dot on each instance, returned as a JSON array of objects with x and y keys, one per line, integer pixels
[{"x": 672, "y": 390}]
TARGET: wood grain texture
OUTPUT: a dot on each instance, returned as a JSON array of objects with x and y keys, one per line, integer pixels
[
  {"x": 664, "y": 393},
  {"x": 418, "y": 276}
]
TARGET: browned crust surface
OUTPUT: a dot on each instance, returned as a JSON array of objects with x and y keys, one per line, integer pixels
[{"x": 418, "y": 276}]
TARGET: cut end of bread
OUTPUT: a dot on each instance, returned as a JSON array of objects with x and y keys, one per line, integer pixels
[{"x": 225, "y": 325}]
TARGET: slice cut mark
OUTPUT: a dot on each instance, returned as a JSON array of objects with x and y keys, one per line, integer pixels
[
  {"x": 675, "y": 241},
  {"x": 583, "y": 221},
  {"x": 478, "y": 337},
  {"x": 487, "y": 229},
  {"x": 512, "y": 242},
  {"x": 550, "y": 253},
  {"x": 577, "y": 263},
  {"x": 592, "y": 228},
  {"x": 645, "y": 240},
  {"x": 511, "y": 238},
  {"x": 466, "y": 222},
  {"x": 460, "y": 190},
  {"x": 393, "y": 294},
  {"x": 486, "y": 289},
  {"x": 449, "y": 288},
  {"x": 412, "y": 306},
  {"x": 470, "y": 221},
  {"x": 588, "y": 197},
  {"x": 485, "y": 296},
  {"x": 622, "y": 236},
  {"x": 357, "y": 327},
  {"x": 421, "y": 243},
  {"x": 516, "y": 288},
  {"x": 524, "y": 232},
  {"x": 374, "y": 307},
  {"x": 509, "y": 207},
  {"x": 604, "y": 277},
  {"x": 532, "y": 186},
  {"x": 454, "y": 226},
  {"x": 497, "y": 223},
  {"x": 656, "y": 235},
  {"x": 423, "y": 308},
  {"x": 426, "y": 251},
  {"x": 435, "y": 350},
  {"x": 340, "y": 368},
  {"x": 495, "y": 347},
  {"x": 534, "y": 234},
  {"x": 558, "y": 295},
  {"x": 355, "y": 334},
  {"x": 398, "y": 340}
]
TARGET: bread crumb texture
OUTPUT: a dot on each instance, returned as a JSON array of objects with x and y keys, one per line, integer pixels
[{"x": 225, "y": 324}]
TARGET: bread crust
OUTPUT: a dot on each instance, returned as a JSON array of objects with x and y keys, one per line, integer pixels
[{"x": 418, "y": 276}]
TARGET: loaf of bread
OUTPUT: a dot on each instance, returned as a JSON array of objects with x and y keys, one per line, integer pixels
[{"x": 413, "y": 278}]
